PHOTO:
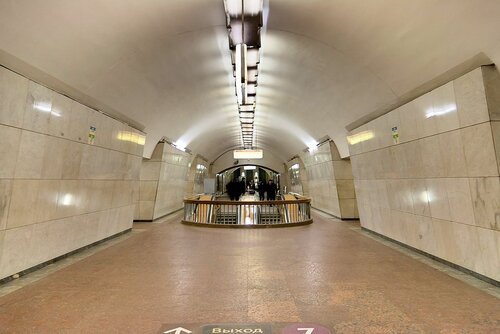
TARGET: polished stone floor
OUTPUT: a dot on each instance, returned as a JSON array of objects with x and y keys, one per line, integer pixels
[{"x": 328, "y": 273}]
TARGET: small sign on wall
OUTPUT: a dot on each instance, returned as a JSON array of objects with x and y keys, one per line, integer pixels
[
  {"x": 395, "y": 135},
  {"x": 92, "y": 134}
]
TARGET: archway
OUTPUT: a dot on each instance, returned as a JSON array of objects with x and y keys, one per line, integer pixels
[{"x": 254, "y": 176}]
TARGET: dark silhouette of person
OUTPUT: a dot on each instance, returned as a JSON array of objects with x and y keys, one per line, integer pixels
[
  {"x": 271, "y": 190},
  {"x": 241, "y": 188},
  {"x": 231, "y": 190},
  {"x": 262, "y": 190}
]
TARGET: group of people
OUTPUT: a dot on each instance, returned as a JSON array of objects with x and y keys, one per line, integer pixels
[
  {"x": 237, "y": 188},
  {"x": 270, "y": 189}
]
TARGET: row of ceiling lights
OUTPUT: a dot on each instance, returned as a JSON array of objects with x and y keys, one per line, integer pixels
[{"x": 244, "y": 23}]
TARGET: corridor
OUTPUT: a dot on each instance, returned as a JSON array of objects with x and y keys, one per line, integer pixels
[{"x": 329, "y": 273}]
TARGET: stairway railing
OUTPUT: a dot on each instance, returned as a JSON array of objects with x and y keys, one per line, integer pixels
[{"x": 207, "y": 210}]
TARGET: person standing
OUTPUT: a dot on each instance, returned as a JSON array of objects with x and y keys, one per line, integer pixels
[
  {"x": 262, "y": 190},
  {"x": 271, "y": 190}
]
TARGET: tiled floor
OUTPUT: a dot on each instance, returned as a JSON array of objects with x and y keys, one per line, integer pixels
[{"x": 327, "y": 273}]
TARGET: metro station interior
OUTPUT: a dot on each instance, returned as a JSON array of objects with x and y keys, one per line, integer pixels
[{"x": 249, "y": 166}]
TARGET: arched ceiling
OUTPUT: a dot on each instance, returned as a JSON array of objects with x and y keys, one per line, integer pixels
[{"x": 166, "y": 64}]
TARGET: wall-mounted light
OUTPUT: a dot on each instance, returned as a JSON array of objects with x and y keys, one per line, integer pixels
[
  {"x": 179, "y": 146},
  {"x": 131, "y": 137},
  {"x": 249, "y": 167},
  {"x": 360, "y": 137}
]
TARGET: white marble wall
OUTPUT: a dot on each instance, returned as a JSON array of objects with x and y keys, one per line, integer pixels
[
  {"x": 438, "y": 188},
  {"x": 163, "y": 184},
  {"x": 330, "y": 181},
  {"x": 58, "y": 192}
]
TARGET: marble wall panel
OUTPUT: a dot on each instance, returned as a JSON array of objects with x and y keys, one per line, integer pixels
[
  {"x": 13, "y": 94},
  {"x": 479, "y": 150},
  {"x": 489, "y": 245},
  {"x": 329, "y": 179},
  {"x": 471, "y": 99},
  {"x": 439, "y": 189},
  {"x": 5, "y": 198},
  {"x": 38, "y": 108},
  {"x": 59, "y": 125},
  {"x": 11, "y": 138},
  {"x": 495, "y": 129},
  {"x": 491, "y": 80},
  {"x": 163, "y": 182},
  {"x": 485, "y": 193},
  {"x": 31, "y": 155},
  {"x": 53, "y": 179}
]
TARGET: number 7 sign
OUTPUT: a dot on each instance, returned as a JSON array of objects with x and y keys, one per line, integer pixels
[{"x": 306, "y": 329}]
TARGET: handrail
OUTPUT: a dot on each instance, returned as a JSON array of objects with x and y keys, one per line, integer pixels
[{"x": 207, "y": 211}]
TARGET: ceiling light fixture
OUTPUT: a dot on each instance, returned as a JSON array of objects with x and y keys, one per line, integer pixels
[
  {"x": 244, "y": 20},
  {"x": 241, "y": 73}
]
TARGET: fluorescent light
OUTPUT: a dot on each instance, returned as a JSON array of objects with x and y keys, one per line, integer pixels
[
  {"x": 249, "y": 167},
  {"x": 252, "y": 75},
  {"x": 241, "y": 73},
  {"x": 251, "y": 7},
  {"x": 246, "y": 121},
  {"x": 251, "y": 89},
  {"x": 246, "y": 114},
  {"x": 253, "y": 57},
  {"x": 360, "y": 137},
  {"x": 233, "y": 7},
  {"x": 295, "y": 166},
  {"x": 247, "y": 107},
  {"x": 248, "y": 154}
]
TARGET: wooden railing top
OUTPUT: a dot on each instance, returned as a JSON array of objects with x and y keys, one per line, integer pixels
[{"x": 196, "y": 200}]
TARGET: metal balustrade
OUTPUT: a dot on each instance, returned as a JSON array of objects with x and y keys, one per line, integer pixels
[{"x": 207, "y": 210}]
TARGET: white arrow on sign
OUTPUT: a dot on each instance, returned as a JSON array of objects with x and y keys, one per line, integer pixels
[{"x": 178, "y": 330}]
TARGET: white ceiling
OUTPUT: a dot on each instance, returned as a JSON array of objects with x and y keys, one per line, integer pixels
[{"x": 325, "y": 63}]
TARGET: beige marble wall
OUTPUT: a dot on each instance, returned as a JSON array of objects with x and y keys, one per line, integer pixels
[
  {"x": 58, "y": 192},
  {"x": 330, "y": 181},
  {"x": 437, "y": 186},
  {"x": 163, "y": 182}
]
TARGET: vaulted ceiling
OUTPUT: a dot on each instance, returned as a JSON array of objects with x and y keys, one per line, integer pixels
[{"x": 324, "y": 64}]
